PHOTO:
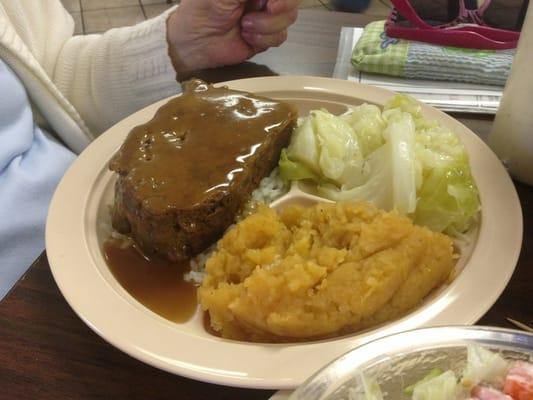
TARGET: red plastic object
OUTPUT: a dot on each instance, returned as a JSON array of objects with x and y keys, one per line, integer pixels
[{"x": 467, "y": 30}]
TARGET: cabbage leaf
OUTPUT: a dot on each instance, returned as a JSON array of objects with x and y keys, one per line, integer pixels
[{"x": 394, "y": 158}]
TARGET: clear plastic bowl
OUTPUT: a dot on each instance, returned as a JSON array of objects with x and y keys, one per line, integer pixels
[{"x": 400, "y": 360}]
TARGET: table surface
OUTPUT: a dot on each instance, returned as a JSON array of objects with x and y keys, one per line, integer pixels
[{"x": 47, "y": 352}]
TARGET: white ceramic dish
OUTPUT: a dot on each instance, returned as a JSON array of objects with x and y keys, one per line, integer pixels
[{"x": 78, "y": 224}]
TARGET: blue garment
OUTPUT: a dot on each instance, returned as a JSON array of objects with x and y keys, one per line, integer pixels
[{"x": 31, "y": 165}]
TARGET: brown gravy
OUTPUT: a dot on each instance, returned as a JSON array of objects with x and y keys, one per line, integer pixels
[
  {"x": 156, "y": 283},
  {"x": 197, "y": 145}
]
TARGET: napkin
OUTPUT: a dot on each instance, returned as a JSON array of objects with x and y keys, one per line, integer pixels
[{"x": 375, "y": 52}]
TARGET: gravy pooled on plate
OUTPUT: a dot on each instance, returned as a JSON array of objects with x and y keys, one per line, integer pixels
[
  {"x": 155, "y": 282},
  {"x": 184, "y": 175}
]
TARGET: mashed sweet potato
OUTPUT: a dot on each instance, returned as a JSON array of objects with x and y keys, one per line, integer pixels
[{"x": 320, "y": 271}]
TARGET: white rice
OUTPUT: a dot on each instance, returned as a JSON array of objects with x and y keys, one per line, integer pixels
[{"x": 270, "y": 188}]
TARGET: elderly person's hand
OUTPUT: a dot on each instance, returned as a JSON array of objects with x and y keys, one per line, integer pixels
[{"x": 212, "y": 33}]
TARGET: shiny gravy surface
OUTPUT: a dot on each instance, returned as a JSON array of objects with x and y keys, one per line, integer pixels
[
  {"x": 205, "y": 162},
  {"x": 179, "y": 170},
  {"x": 156, "y": 283}
]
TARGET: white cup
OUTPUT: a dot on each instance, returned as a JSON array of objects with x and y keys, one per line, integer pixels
[{"x": 511, "y": 137}]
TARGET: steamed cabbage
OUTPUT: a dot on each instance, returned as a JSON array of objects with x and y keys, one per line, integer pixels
[
  {"x": 326, "y": 145},
  {"x": 394, "y": 158}
]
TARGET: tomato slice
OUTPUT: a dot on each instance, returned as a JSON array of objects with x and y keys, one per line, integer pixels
[{"x": 519, "y": 381}]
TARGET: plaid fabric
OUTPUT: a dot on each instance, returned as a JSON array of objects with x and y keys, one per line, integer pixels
[
  {"x": 377, "y": 53},
  {"x": 485, "y": 67}
]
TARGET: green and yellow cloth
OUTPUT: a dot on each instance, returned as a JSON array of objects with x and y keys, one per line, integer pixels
[{"x": 375, "y": 52}]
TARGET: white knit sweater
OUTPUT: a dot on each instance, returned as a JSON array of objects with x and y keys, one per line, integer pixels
[{"x": 81, "y": 85}]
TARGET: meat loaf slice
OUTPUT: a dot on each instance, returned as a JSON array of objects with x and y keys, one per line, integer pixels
[{"x": 184, "y": 175}]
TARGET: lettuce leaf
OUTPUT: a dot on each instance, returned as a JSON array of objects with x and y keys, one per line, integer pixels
[
  {"x": 430, "y": 375},
  {"x": 483, "y": 365},
  {"x": 441, "y": 387},
  {"x": 370, "y": 390}
]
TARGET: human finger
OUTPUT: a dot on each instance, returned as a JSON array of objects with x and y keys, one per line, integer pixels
[
  {"x": 221, "y": 11},
  {"x": 281, "y": 6},
  {"x": 264, "y": 41},
  {"x": 265, "y": 23},
  {"x": 255, "y": 5}
]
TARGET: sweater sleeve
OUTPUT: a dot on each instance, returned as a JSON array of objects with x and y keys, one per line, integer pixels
[{"x": 108, "y": 76}]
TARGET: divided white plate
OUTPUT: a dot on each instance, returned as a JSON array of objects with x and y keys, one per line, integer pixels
[{"x": 78, "y": 223}]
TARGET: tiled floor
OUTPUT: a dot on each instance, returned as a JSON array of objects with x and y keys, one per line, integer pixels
[{"x": 93, "y": 16}]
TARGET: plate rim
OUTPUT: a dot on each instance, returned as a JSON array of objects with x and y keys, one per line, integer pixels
[{"x": 57, "y": 254}]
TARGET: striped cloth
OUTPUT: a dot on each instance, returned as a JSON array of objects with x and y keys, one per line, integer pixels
[{"x": 375, "y": 52}]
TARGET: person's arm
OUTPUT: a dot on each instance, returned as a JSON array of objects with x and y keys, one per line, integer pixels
[
  {"x": 125, "y": 69},
  {"x": 109, "y": 76},
  {"x": 104, "y": 76}
]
